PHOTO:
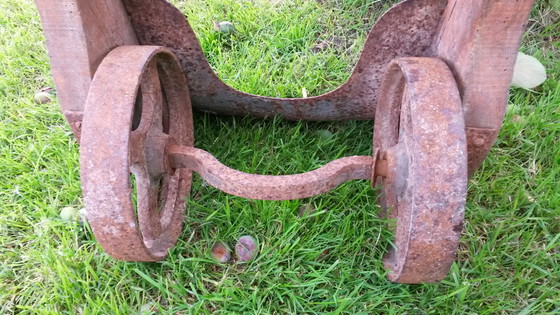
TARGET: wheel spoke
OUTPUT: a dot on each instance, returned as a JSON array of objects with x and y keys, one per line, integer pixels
[
  {"x": 148, "y": 207},
  {"x": 152, "y": 97}
]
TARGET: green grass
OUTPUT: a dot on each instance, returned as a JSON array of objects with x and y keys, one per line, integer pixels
[{"x": 509, "y": 260}]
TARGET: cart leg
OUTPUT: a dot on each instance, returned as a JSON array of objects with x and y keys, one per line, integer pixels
[
  {"x": 478, "y": 40},
  {"x": 79, "y": 34}
]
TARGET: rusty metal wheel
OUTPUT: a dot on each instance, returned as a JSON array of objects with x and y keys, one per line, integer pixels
[
  {"x": 420, "y": 132},
  {"x": 138, "y": 103}
]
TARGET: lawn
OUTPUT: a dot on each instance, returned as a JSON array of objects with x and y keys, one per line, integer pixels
[{"x": 329, "y": 260}]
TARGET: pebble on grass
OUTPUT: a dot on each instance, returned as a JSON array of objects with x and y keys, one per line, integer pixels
[
  {"x": 42, "y": 98},
  {"x": 45, "y": 95},
  {"x": 246, "y": 248},
  {"x": 224, "y": 27},
  {"x": 69, "y": 214},
  {"x": 220, "y": 252},
  {"x": 324, "y": 134},
  {"x": 528, "y": 72}
]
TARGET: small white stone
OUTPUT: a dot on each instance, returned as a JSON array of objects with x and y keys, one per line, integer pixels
[
  {"x": 528, "y": 72},
  {"x": 42, "y": 98},
  {"x": 69, "y": 214},
  {"x": 224, "y": 27}
]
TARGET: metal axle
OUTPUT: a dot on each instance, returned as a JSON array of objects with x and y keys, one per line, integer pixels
[{"x": 269, "y": 187}]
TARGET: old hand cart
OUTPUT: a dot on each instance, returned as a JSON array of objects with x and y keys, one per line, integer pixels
[{"x": 435, "y": 75}]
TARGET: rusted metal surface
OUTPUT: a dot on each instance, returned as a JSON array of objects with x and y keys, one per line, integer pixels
[
  {"x": 479, "y": 142},
  {"x": 470, "y": 38},
  {"x": 74, "y": 119},
  {"x": 136, "y": 146},
  {"x": 466, "y": 38},
  {"x": 129, "y": 116},
  {"x": 79, "y": 35},
  {"x": 468, "y": 35},
  {"x": 379, "y": 168},
  {"x": 420, "y": 131},
  {"x": 407, "y": 29},
  {"x": 267, "y": 187},
  {"x": 138, "y": 122}
]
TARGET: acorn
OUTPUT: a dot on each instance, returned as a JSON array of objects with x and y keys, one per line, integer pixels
[{"x": 246, "y": 248}]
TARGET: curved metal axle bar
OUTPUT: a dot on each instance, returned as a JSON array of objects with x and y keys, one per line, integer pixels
[{"x": 268, "y": 187}]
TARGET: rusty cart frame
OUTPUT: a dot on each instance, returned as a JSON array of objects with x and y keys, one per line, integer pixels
[{"x": 433, "y": 74}]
